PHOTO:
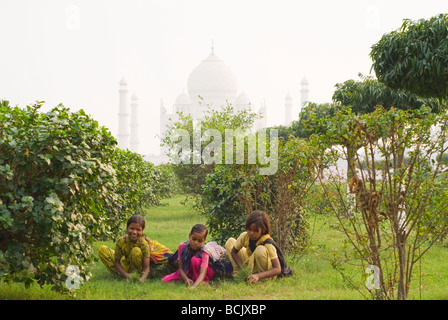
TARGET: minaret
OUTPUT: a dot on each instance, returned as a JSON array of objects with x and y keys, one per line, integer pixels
[
  {"x": 261, "y": 123},
  {"x": 304, "y": 92},
  {"x": 134, "y": 124},
  {"x": 163, "y": 118},
  {"x": 288, "y": 110},
  {"x": 263, "y": 111},
  {"x": 162, "y": 123},
  {"x": 123, "y": 117}
]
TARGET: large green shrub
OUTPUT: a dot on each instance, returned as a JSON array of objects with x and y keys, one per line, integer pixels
[
  {"x": 56, "y": 178},
  {"x": 64, "y": 185}
]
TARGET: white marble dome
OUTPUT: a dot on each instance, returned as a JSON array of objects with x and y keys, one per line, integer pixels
[
  {"x": 242, "y": 99},
  {"x": 182, "y": 98},
  {"x": 214, "y": 81}
]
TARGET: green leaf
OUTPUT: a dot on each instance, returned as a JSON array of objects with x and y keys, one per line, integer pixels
[{"x": 54, "y": 199}]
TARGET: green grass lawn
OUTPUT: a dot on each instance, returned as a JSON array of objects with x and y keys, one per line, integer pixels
[{"x": 314, "y": 277}]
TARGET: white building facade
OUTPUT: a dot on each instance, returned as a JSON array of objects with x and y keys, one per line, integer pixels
[{"x": 211, "y": 85}]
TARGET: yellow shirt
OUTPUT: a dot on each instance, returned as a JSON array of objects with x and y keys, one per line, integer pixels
[
  {"x": 243, "y": 241},
  {"x": 124, "y": 247}
]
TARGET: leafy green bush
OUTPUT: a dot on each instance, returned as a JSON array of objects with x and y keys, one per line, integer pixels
[
  {"x": 222, "y": 194},
  {"x": 140, "y": 183},
  {"x": 56, "y": 192},
  {"x": 64, "y": 185},
  {"x": 415, "y": 57},
  {"x": 233, "y": 191}
]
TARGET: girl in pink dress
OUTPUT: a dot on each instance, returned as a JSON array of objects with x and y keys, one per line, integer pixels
[{"x": 193, "y": 261}]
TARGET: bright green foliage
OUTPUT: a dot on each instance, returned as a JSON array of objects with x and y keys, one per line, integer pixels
[
  {"x": 63, "y": 185},
  {"x": 366, "y": 95},
  {"x": 311, "y": 118},
  {"x": 222, "y": 192},
  {"x": 139, "y": 183},
  {"x": 415, "y": 57},
  {"x": 56, "y": 181},
  {"x": 359, "y": 97}
]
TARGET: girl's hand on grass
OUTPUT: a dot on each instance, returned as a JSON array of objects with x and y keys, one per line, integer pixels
[
  {"x": 134, "y": 277},
  {"x": 191, "y": 287},
  {"x": 189, "y": 282},
  {"x": 243, "y": 274},
  {"x": 253, "y": 278}
]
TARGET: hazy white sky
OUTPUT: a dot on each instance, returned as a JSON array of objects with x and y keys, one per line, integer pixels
[{"x": 75, "y": 52}]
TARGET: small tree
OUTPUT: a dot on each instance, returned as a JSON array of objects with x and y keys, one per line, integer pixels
[
  {"x": 364, "y": 96},
  {"x": 380, "y": 235},
  {"x": 192, "y": 171}
]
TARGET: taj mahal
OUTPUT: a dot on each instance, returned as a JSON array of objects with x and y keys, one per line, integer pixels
[{"x": 211, "y": 84}]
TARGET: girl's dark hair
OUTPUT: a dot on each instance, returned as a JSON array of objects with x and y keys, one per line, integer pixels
[
  {"x": 261, "y": 220},
  {"x": 199, "y": 228},
  {"x": 136, "y": 219}
]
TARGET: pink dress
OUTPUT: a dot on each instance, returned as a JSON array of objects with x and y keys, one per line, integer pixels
[{"x": 196, "y": 263}]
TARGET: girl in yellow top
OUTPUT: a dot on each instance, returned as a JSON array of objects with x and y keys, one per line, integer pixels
[
  {"x": 255, "y": 250},
  {"x": 133, "y": 252}
]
